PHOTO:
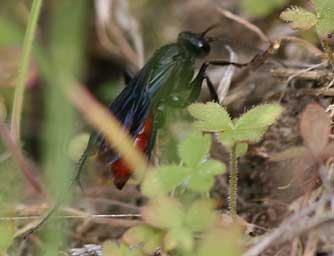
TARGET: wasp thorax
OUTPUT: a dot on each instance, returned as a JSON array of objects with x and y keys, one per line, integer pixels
[{"x": 194, "y": 43}]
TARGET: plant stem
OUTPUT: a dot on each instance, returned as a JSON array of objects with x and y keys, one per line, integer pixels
[
  {"x": 23, "y": 69},
  {"x": 233, "y": 182},
  {"x": 328, "y": 51}
]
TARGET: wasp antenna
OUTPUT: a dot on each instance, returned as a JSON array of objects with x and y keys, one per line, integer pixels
[
  {"x": 209, "y": 29},
  {"x": 212, "y": 39}
]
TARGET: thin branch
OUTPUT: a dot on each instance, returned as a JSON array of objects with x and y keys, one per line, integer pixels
[
  {"x": 301, "y": 74},
  {"x": 294, "y": 226},
  {"x": 245, "y": 23},
  {"x": 23, "y": 70},
  {"x": 20, "y": 160},
  {"x": 83, "y": 216},
  {"x": 105, "y": 122}
]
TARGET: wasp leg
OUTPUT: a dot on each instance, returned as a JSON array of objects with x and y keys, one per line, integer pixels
[
  {"x": 158, "y": 121},
  {"x": 198, "y": 80},
  {"x": 212, "y": 89},
  {"x": 128, "y": 76}
]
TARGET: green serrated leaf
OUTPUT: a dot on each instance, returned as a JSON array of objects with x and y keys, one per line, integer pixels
[
  {"x": 200, "y": 215},
  {"x": 211, "y": 117},
  {"x": 163, "y": 212},
  {"x": 325, "y": 14},
  {"x": 200, "y": 182},
  {"x": 195, "y": 148},
  {"x": 212, "y": 167},
  {"x": 252, "y": 125},
  {"x": 7, "y": 229},
  {"x": 227, "y": 138},
  {"x": 178, "y": 238},
  {"x": 163, "y": 179},
  {"x": 299, "y": 18}
]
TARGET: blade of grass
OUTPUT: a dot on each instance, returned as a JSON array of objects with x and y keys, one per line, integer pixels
[
  {"x": 23, "y": 69},
  {"x": 101, "y": 118}
]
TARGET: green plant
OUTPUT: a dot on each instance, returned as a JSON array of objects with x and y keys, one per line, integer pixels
[
  {"x": 234, "y": 134},
  {"x": 322, "y": 19},
  {"x": 171, "y": 227},
  {"x": 196, "y": 172},
  {"x": 178, "y": 208}
]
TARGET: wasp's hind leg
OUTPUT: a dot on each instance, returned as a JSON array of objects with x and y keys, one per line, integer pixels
[
  {"x": 212, "y": 89},
  {"x": 128, "y": 76},
  {"x": 196, "y": 85}
]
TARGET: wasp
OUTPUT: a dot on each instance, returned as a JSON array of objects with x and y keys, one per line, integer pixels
[{"x": 166, "y": 81}]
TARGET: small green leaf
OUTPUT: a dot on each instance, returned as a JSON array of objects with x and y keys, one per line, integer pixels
[
  {"x": 195, "y": 148},
  {"x": 200, "y": 182},
  {"x": 213, "y": 167},
  {"x": 178, "y": 238},
  {"x": 299, "y": 18},
  {"x": 148, "y": 238},
  {"x": 325, "y": 13},
  {"x": 211, "y": 117},
  {"x": 200, "y": 215},
  {"x": 163, "y": 179},
  {"x": 7, "y": 229},
  {"x": 253, "y": 124},
  {"x": 164, "y": 212}
]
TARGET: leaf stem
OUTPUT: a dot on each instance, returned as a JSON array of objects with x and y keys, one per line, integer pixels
[
  {"x": 328, "y": 51},
  {"x": 23, "y": 69},
  {"x": 233, "y": 182}
]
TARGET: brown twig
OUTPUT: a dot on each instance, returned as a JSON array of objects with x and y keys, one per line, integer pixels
[
  {"x": 294, "y": 226},
  {"x": 20, "y": 160},
  {"x": 317, "y": 75},
  {"x": 245, "y": 23}
]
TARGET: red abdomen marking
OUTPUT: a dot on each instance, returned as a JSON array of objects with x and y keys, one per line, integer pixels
[{"x": 120, "y": 171}]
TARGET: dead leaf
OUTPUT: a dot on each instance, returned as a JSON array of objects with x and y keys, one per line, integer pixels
[{"x": 315, "y": 128}]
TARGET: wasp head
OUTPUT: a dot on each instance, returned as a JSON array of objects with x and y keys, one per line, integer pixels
[{"x": 197, "y": 44}]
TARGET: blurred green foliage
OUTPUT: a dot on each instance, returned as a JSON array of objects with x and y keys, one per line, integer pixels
[
  {"x": 196, "y": 172},
  {"x": 262, "y": 8}
]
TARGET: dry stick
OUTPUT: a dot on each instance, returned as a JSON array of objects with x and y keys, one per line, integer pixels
[
  {"x": 74, "y": 216},
  {"x": 294, "y": 226},
  {"x": 101, "y": 118},
  {"x": 20, "y": 160},
  {"x": 245, "y": 23},
  {"x": 316, "y": 75},
  {"x": 105, "y": 30}
]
